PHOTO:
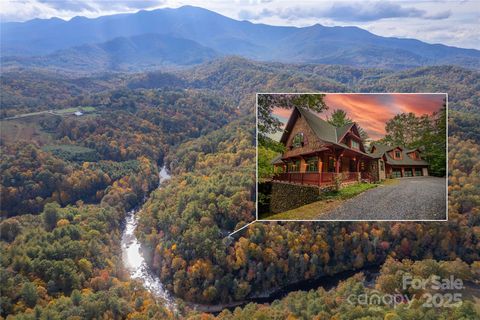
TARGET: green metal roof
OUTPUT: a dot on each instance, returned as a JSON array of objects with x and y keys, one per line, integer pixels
[
  {"x": 327, "y": 132},
  {"x": 277, "y": 160},
  {"x": 341, "y": 131},
  {"x": 382, "y": 149},
  {"x": 324, "y": 130}
]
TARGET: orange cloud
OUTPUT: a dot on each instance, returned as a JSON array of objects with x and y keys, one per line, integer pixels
[{"x": 372, "y": 111}]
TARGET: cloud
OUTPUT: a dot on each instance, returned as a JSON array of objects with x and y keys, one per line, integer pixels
[
  {"x": 440, "y": 15},
  {"x": 251, "y": 15},
  {"x": 348, "y": 12},
  {"x": 95, "y": 5},
  {"x": 372, "y": 111},
  {"x": 73, "y": 5},
  {"x": 371, "y": 11},
  {"x": 21, "y": 10}
]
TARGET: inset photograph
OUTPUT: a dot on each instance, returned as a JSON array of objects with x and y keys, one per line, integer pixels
[{"x": 352, "y": 156}]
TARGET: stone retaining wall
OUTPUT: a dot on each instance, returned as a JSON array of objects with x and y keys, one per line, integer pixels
[{"x": 286, "y": 196}]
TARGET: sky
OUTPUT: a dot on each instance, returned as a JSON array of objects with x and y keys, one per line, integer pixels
[
  {"x": 372, "y": 111},
  {"x": 455, "y": 23}
]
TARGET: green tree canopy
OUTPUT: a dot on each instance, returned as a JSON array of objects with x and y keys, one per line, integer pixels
[
  {"x": 339, "y": 118},
  {"x": 267, "y": 124}
]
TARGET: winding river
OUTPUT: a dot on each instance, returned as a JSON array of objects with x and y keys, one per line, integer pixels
[
  {"x": 136, "y": 265},
  {"x": 132, "y": 256}
]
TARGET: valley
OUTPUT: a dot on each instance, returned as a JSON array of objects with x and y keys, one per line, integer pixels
[{"x": 67, "y": 190}]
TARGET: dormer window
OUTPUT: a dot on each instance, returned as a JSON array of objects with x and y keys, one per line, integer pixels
[
  {"x": 355, "y": 144},
  {"x": 414, "y": 155},
  {"x": 298, "y": 140},
  {"x": 398, "y": 154}
]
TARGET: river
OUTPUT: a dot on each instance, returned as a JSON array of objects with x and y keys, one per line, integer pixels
[
  {"x": 136, "y": 265},
  {"x": 132, "y": 256}
]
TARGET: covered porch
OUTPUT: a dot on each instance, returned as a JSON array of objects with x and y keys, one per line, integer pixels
[{"x": 322, "y": 167}]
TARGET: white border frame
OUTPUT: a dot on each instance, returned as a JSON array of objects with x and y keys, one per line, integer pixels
[{"x": 353, "y": 220}]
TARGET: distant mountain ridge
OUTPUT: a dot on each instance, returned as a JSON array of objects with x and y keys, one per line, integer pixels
[
  {"x": 142, "y": 52},
  {"x": 212, "y": 35}
]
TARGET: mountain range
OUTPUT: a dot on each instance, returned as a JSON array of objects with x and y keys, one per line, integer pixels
[{"x": 191, "y": 35}]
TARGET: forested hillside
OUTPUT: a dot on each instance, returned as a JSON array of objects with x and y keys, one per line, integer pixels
[
  {"x": 334, "y": 304},
  {"x": 268, "y": 256},
  {"x": 128, "y": 124},
  {"x": 200, "y": 123}
]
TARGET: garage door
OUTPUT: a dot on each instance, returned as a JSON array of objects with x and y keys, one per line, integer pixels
[
  {"x": 397, "y": 173},
  {"x": 408, "y": 172},
  {"x": 418, "y": 172}
]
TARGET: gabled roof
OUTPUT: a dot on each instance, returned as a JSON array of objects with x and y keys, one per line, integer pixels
[
  {"x": 277, "y": 160},
  {"x": 383, "y": 149},
  {"x": 322, "y": 129},
  {"x": 342, "y": 131}
]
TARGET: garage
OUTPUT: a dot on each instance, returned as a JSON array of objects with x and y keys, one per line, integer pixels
[
  {"x": 396, "y": 173},
  {"x": 408, "y": 172}
]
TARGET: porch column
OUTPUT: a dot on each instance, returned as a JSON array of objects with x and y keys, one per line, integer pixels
[
  {"x": 303, "y": 165},
  {"x": 337, "y": 161},
  {"x": 359, "y": 177},
  {"x": 337, "y": 164},
  {"x": 402, "y": 171}
]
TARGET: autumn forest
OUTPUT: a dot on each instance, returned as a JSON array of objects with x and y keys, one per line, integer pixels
[{"x": 68, "y": 181}]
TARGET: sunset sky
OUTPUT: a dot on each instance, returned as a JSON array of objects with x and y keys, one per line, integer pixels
[{"x": 372, "y": 111}]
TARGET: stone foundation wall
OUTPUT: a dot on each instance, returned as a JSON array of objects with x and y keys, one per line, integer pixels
[
  {"x": 286, "y": 196},
  {"x": 373, "y": 169}
]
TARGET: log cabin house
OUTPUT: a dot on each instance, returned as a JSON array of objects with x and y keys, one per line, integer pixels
[{"x": 317, "y": 153}]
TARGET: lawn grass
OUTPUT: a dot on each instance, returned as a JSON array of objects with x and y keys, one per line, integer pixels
[
  {"x": 26, "y": 129},
  {"x": 349, "y": 191},
  {"x": 73, "y": 110},
  {"x": 328, "y": 201},
  {"x": 72, "y": 152},
  {"x": 88, "y": 109}
]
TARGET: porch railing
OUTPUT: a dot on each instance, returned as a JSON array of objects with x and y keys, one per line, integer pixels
[{"x": 315, "y": 178}]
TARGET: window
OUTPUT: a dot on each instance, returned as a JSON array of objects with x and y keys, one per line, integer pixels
[
  {"x": 398, "y": 155},
  {"x": 331, "y": 164},
  {"x": 352, "y": 167},
  {"x": 355, "y": 144},
  {"x": 297, "y": 140},
  {"x": 312, "y": 165},
  {"x": 293, "y": 166},
  {"x": 290, "y": 167}
]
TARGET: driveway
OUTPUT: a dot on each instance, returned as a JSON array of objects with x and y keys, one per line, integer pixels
[{"x": 418, "y": 198}]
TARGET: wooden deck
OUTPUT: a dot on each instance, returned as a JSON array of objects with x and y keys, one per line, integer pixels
[{"x": 319, "y": 178}]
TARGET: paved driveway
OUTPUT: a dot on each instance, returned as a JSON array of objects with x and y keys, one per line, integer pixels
[{"x": 418, "y": 198}]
